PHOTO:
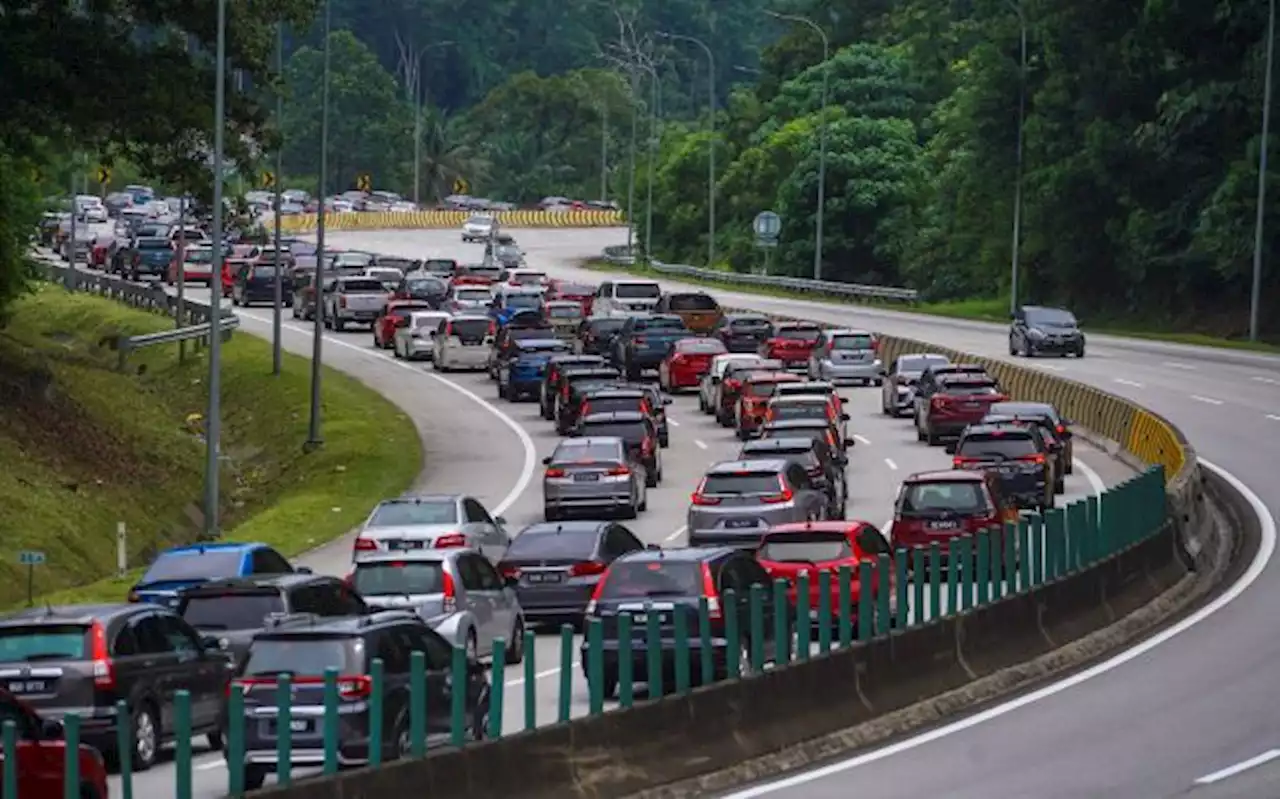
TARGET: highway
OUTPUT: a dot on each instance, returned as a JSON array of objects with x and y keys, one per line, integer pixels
[{"x": 492, "y": 449}]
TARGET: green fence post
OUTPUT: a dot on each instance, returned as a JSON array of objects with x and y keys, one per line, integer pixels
[
  {"x": 377, "y": 690},
  {"x": 284, "y": 728},
  {"x": 182, "y": 768},
  {"x": 902, "y": 587},
  {"x": 10, "y": 784},
  {"x": 918, "y": 577},
  {"x": 181, "y": 749},
  {"x": 1080, "y": 533},
  {"x": 626, "y": 665},
  {"x": 680, "y": 630},
  {"x": 732, "y": 635},
  {"x": 1091, "y": 524},
  {"x": 966, "y": 572},
  {"x": 953, "y": 576},
  {"x": 982, "y": 569},
  {"x": 531, "y": 680},
  {"x": 704, "y": 636},
  {"x": 1131, "y": 513},
  {"x": 935, "y": 581},
  {"x": 653, "y": 653},
  {"x": 458, "y": 678},
  {"x": 757, "y": 627},
  {"x": 998, "y": 545},
  {"x": 566, "y": 671},
  {"x": 497, "y": 686},
  {"x": 1054, "y": 543},
  {"x": 845, "y": 611},
  {"x": 418, "y": 705},
  {"x": 803, "y": 640},
  {"x": 866, "y": 601},
  {"x": 884, "y": 590},
  {"x": 235, "y": 744},
  {"x": 595, "y": 665},
  {"x": 824, "y": 611},
  {"x": 330, "y": 721},
  {"x": 1024, "y": 554},
  {"x": 1039, "y": 556},
  {"x": 781, "y": 623},
  {"x": 1012, "y": 551}
]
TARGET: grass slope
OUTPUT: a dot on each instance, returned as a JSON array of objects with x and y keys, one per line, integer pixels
[{"x": 83, "y": 446}]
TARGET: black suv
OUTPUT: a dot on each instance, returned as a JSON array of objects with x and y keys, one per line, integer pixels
[
  {"x": 234, "y": 610},
  {"x": 305, "y": 648},
  {"x": 556, "y": 367},
  {"x": 669, "y": 581},
  {"x": 1056, "y": 427},
  {"x": 573, "y": 384},
  {"x": 824, "y": 463},
  {"x": 637, "y": 432},
  {"x": 1037, "y": 330},
  {"x": 628, "y": 397},
  {"x": 84, "y": 658},
  {"x": 1015, "y": 455}
]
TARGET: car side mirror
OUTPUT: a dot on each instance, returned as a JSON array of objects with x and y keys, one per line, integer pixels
[
  {"x": 210, "y": 643},
  {"x": 304, "y": 570},
  {"x": 546, "y": 461},
  {"x": 951, "y": 447},
  {"x": 501, "y": 521},
  {"x": 51, "y": 730},
  {"x": 652, "y": 547},
  {"x": 844, "y": 417},
  {"x": 667, "y": 401}
]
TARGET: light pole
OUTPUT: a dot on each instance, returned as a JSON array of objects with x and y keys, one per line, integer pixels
[
  {"x": 1256, "y": 293},
  {"x": 656, "y": 97},
  {"x": 213, "y": 418},
  {"x": 277, "y": 359},
  {"x": 314, "y": 437},
  {"x": 711, "y": 142},
  {"x": 631, "y": 177},
  {"x": 822, "y": 135},
  {"x": 1017, "y": 180},
  {"x": 417, "y": 117}
]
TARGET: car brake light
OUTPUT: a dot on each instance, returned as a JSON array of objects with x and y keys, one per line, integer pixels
[
  {"x": 709, "y": 591},
  {"x": 451, "y": 541},
  {"x": 564, "y": 390},
  {"x": 104, "y": 673},
  {"x": 449, "y": 603},
  {"x": 831, "y": 439},
  {"x": 618, "y": 471},
  {"x": 1033, "y": 459},
  {"x": 637, "y": 340},
  {"x": 365, "y": 545},
  {"x": 1060, "y": 429},
  {"x": 357, "y": 687},
  {"x": 342, "y": 301},
  {"x": 644, "y": 406},
  {"x": 509, "y": 572},
  {"x": 699, "y": 498},
  {"x": 786, "y": 495},
  {"x": 939, "y": 400},
  {"x": 587, "y": 568},
  {"x": 596, "y": 594},
  {"x": 957, "y": 462},
  {"x": 555, "y": 471},
  {"x": 586, "y": 408}
]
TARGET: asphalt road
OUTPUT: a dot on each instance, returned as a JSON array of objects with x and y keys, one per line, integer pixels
[{"x": 492, "y": 449}]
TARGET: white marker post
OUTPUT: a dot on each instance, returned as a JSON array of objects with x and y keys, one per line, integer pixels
[{"x": 122, "y": 550}]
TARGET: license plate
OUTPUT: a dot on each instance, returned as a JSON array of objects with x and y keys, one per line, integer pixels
[
  {"x": 943, "y": 525},
  {"x": 972, "y": 405},
  {"x": 586, "y": 477},
  {"x": 299, "y": 725},
  {"x": 29, "y": 687},
  {"x": 545, "y": 577},
  {"x": 401, "y": 546},
  {"x": 739, "y": 524}
]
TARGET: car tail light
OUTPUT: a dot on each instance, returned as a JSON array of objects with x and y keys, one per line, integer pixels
[
  {"x": 709, "y": 591},
  {"x": 450, "y": 601},
  {"x": 564, "y": 390},
  {"x": 645, "y": 407},
  {"x": 786, "y": 495},
  {"x": 586, "y": 408},
  {"x": 698, "y": 498},
  {"x": 959, "y": 461},
  {"x": 619, "y": 471},
  {"x": 733, "y": 384},
  {"x": 1060, "y": 430},
  {"x": 555, "y": 471},
  {"x": 597, "y": 593},
  {"x": 342, "y": 301},
  {"x": 356, "y": 687},
  {"x": 451, "y": 541},
  {"x": 493, "y": 327},
  {"x": 831, "y": 439},
  {"x": 587, "y": 568},
  {"x": 1033, "y": 459},
  {"x": 940, "y": 400},
  {"x": 365, "y": 545},
  {"x": 638, "y": 341},
  {"x": 509, "y": 572},
  {"x": 104, "y": 672}
]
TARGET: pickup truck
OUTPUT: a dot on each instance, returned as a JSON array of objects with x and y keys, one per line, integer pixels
[
  {"x": 149, "y": 258},
  {"x": 643, "y": 342},
  {"x": 353, "y": 300}
]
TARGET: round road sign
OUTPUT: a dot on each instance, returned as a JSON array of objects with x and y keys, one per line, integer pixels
[{"x": 767, "y": 225}]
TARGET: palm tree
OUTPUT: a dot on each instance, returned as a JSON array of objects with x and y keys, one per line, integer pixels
[{"x": 448, "y": 153}]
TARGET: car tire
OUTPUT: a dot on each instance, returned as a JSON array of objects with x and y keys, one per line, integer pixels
[
  {"x": 1060, "y": 487},
  {"x": 146, "y": 736},
  {"x": 609, "y": 684},
  {"x": 702, "y": 402},
  {"x": 551, "y": 515},
  {"x": 339, "y": 325},
  {"x": 931, "y": 438},
  {"x": 216, "y": 740},
  {"x": 502, "y": 392},
  {"x": 515, "y": 644},
  {"x": 296, "y": 314},
  {"x": 651, "y": 477},
  {"x": 472, "y": 646},
  {"x": 629, "y": 512},
  {"x": 1080, "y": 352},
  {"x": 255, "y": 774},
  {"x": 1013, "y": 349}
]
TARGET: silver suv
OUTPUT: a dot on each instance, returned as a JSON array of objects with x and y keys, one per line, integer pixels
[
  {"x": 738, "y": 500},
  {"x": 593, "y": 474}
]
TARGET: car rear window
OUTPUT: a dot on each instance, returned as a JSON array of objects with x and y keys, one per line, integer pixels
[
  {"x": 797, "y": 333},
  {"x": 608, "y": 404},
  {"x": 805, "y": 547},
  {"x": 630, "y": 432},
  {"x": 691, "y": 302},
  {"x": 651, "y": 579},
  {"x": 750, "y": 324},
  {"x": 575, "y": 290},
  {"x": 153, "y": 244},
  {"x": 852, "y": 342},
  {"x": 741, "y": 483},
  {"x": 303, "y": 655},
  {"x": 1026, "y": 410},
  {"x": 469, "y": 328},
  {"x": 399, "y": 577},
  {"x": 636, "y": 291},
  {"x": 397, "y": 514},
  {"x": 565, "y": 311},
  {"x": 198, "y": 256},
  {"x": 264, "y": 272},
  {"x": 440, "y": 266},
  {"x": 1051, "y": 316},
  {"x": 230, "y": 611},
  {"x": 194, "y": 566},
  {"x": 426, "y": 285},
  {"x": 524, "y": 300},
  {"x": 970, "y": 388},
  {"x": 473, "y": 295},
  {"x": 607, "y": 325},
  {"x": 918, "y": 363},
  {"x": 42, "y": 642},
  {"x": 660, "y": 323},
  {"x": 762, "y": 388},
  {"x": 362, "y": 287},
  {"x": 952, "y": 496},
  {"x": 700, "y": 346},
  {"x": 784, "y": 411},
  {"x": 997, "y": 445},
  {"x": 549, "y": 544},
  {"x": 401, "y": 264},
  {"x": 427, "y": 320}
]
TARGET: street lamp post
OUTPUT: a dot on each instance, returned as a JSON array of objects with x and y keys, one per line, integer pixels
[
  {"x": 213, "y": 416},
  {"x": 277, "y": 358},
  {"x": 314, "y": 436},
  {"x": 822, "y": 135},
  {"x": 417, "y": 117},
  {"x": 1016, "y": 247},
  {"x": 655, "y": 94},
  {"x": 631, "y": 176},
  {"x": 1255, "y": 295},
  {"x": 711, "y": 142}
]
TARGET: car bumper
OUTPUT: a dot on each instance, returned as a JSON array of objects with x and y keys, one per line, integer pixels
[
  {"x": 361, "y": 317},
  {"x": 711, "y": 536},
  {"x": 569, "y": 498},
  {"x": 554, "y": 603},
  {"x": 417, "y": 348},
  {"x": 839, "y": 371},
  {"x": 523, "y": 387},
  {"x": 466, "y": 358},
  {"x": 904, "y": 400},
  {"x": 1056, "y": 346}
]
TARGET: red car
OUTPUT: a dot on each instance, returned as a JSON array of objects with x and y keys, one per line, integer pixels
[
  {"x": 582, "y": 294},
  {"x": 960, "y": 400},
  {"x": 688, "y": 361},
  {"x": 790, "y": 550},
  {"x": 396, "y": 314},
  {"x": 41, "y": 765},
  {"x": 753, "y": 403},
  {"x": 792, "y": 343},
  {"x": 100, "y": 252},
  {"x": 938, "y": 507}
]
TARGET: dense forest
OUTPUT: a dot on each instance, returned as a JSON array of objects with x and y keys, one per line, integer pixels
[{"x": 1139, "y": 127}]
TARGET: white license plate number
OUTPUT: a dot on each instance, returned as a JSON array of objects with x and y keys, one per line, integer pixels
[
  {"x": 944, "y": 525},
  {"x": 740, "y": 524},
  {"x": 299, "y": 725},
  {"x": 545, "y": 577},
  {"x": 586, "y": 477},
  {"x": 28, "y": 687},
  {"x": 404, "y": 546}
]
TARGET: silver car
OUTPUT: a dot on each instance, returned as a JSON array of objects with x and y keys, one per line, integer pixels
[
  {"x": 596, "y": 474},
  {"x": 478, "y": 227},
  {"x": 898, "y": 393},
  {"x": 463, "y": 342},
  {"x": 431, "y": 521},
  {"x": 469, "y": 298},
  {"x": 416, "y": 340},
  {"x": 456, "y": 591},
  {"x": 846, "y": 356},
  {"x": 709, "y": 385},
  {"x": 738, "y": 500}
]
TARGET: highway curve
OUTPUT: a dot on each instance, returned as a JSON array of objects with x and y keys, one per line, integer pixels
[
  {"x": 492, "y": 449},
  {"x": 1190, "y": 712}
]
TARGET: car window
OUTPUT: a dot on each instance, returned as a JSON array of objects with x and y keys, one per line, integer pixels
[
  {"x": 784, "y": 411},
  {"x": 813, "y": 547},
  {"x": 151, "y": 636},
  {"x": 489, "y": 578},
  {"x": 619, "y": 541},
  {"x": 125, "y": 643},
  {"x": 45, "y": 641},
  {"x": 797, "y": 476},
  {"x": 384, "y": 578},
  {"x": 475, "y": 512},
  {"x": 637, "y": 291},
  {"x": 24, "y": 721},
  {"x": 194, "y": 565},
  {"x": 872, "y": 542},
  {"x": 691, "y": 302},
  {"x": 570, "y": 451},
  {"x": 468, "y": 573},
  {"x": 952, "y": 496},
  {"x": 652, "y": 579},
  {"x": 850, "y": 341},
  {"x": 231, "y": 610},
  {"x": 1000, "y": 445},
  {"x": 438, "y": 653},
  {"x": 180, "y": 638},
  {"x": 392, "y": 646},
  {"x": 414, "y": 512},
  {"x": 268, "y": 561},
  {"x": 741, "y": 483}
]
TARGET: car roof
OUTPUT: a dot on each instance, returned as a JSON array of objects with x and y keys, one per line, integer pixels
[
  {"x": 335, "y": 625},
  {"x": 619, "y": 391},
  {"x": 729, "y": 467},
  {"x": 420, "y": 555},
  {"x": 577, "y": 526},
  {"x": 213, "y": 546},
  {"x": 947, "y": 476},
  {"x": 772, "y": 376},
  {"x": 812, "y": 385},
  {"x": 614, "y": 417},
  {"x": 535, "y": 343},
  {"x": 592, "y": 371},
  {"x": 1021, "y": 408},
  {"x": 634, "y": 282},
  {"x": 799, "y": 399},
  {"x": 257, "y": 581},
  {"x": 590, "y": 441},
  {"x": 782, "y": 443},
  {"x": 419, "y": 498},
  {"x": 954, "y": 368},
  {"x": 849, "y": 331},
  {"x": 797, "y": 424},
  {"x": 680, "y": 554},
  {"x": 73, "y": 614},
  {"x": 997, "y": 429}
]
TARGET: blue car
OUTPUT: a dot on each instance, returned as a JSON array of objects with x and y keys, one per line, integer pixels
[
  {"x": 521, "y": 375},
  {"x": 180, "y": 568},
  {"x": 512, "y": 302}
]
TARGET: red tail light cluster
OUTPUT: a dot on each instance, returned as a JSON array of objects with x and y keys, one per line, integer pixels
[
  {"x": 104, "y": 672},
  {"x": 451, "y": 541},
  {"x": 587, "y": 568}
]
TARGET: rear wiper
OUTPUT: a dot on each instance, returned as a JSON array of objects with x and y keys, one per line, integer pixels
[
  {"x": 204, "y": 626},
  {"x": 49, "y": 656},
  {"x": 276, "y": 673}
]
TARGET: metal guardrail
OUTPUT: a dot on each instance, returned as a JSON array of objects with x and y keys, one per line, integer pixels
[
  {"x": 128, "y": 344},
  {"x": 623, "y": 257}
]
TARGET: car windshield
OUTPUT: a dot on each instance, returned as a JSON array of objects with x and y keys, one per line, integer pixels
[
  {"x": 1000, "y": 445},
  {"x": 399, "y": 577},
  {"x": 691, "y": 302},
  {"x": 797, "y": 333},
  {"x": 397, "y": 514},
  {"x": 230, "y": 611},
  {"x": 852, "y": 342},
  {"x": 631, "y": 432},
  {"x": 652, "y": 578},
  {"x": 637, "y": 291},
  {"x": 538, "y": 544},
  {"x": 198, "y": 256},
  {"x": 362, "y": 287},
  {"x": 741, "y": 483},
  {"x": 1051, "y": 316},
  {"x": 784, "y": 411},
  {"x": 425, "y": 286},
  {"x": 916, "y": 364},
  {"x": 806, "y": 548},
  {"x": 949, "y": 496},
  {"x": 473, "y": 295},
  {"x": 524, "y": 301},
  {"x": 308, "y": 656},
  {"x": 970, "y": 389},
  {"x": 565, "y": 312},
  {"x": 480, "y": 219},
  {"x": 194, "y": 565},
  {"x": 42, "y": 642}
]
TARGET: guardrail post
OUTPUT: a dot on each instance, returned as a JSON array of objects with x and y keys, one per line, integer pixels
[
  {"x": 935, "y": 581},
  {"x": 124, "y": 742},
  {"x": 377, "y": 690},
  {"x": 71, "y": 743},
  {"x": 284, "y": 730},
  {"x": 1079, "y": 522},
  {"x": 982, "y": 569},
  {"x": 953, "y": 576},
  {"x": 531, "y": 679},
  {"x": 803, "y": 639},
  {"x": 732, "y": 637},
  {"x": 498, "y": 686},
  {"x": 757, "y": 627},
  {"x": 998, "y": 545},
  {"x": 1035, "y": 549},
  {"x": 866, "y": 602},
  {"x": 884, "y": 590},
  {"x": 1056, "y": 543},
  {"x": 824, "y": 611},
  {"x": 653, "y": 653},
  {"x": 918, "y": 578},
  {"x": 331, "y": 730},
  {"x": 595, "y": 665},
  {"x": 626, "y": 665},
  {"x": 680, "y": 630},
  {"x": 781, "y": 624},
  {"x": 1014, "y": 550},
  {"x": 708, "y": 664},
  {"x": 902, "y": 587},
  {"x": 566, "y": 670},
  {"x": 10, "y": 784},
  {"x": 418, "y": 704},
  {"x": 1092, "y": 521},
  {"x": 845, "y": 611},
  {"x": 459, "y": 678},
  {"x": 967, "y": 557}
]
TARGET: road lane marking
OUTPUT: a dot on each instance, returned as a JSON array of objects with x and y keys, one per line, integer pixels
[
  {"x": 1184, "y": 366},
  {"x": 1095, "y": 480},
  {"x": 1124, "y": 382},
  {"x": 542, "y": 675},
  {"x": 889, "y": 462},
  {"x": 862, "y": 440},
  {"x": 1242, "y": 766},
  {"x": 700, "y": 443},
  {"x": 676, "y": 534},
  {"x": 1268, "y": 380},
  {"x": 1206, "y": 400},
  {"x": 672, "y": 422},
  {"x": 1049, "y": 368},
  {"x": 1273, "y": 417},
  {"x": 1255, "y": 569}
]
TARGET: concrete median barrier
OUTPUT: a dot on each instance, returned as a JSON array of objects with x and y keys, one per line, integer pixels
[{"x": 444, "y": 220}]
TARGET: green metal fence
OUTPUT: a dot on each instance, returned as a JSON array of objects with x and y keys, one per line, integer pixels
[{"x": 909, "y": 589}]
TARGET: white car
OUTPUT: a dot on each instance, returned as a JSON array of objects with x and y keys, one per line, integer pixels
[
  {"x": 479, "y": 227},
  {"x": 708, "y": 387},
  {"x": 626, "y": 297},
  {"x": 431, "y": 521},
  {"x": 417, "y": 339}
]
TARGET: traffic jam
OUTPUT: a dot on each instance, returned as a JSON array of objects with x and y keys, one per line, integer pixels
[{"x": 434, "y": 572}]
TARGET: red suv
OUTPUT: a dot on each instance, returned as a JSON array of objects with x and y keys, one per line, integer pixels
[
  {"x": 792, "y": 343},
  {"x": 753, "y": 403},
  {"x": 960, "y": 400},
  {"x": 938, "y": 507},
  {"x": 790, "y": 550},
  {"x": 42, "y": 756}
]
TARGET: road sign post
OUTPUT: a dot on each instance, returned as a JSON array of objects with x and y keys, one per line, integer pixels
[
  {"x": 767, "y": 225},
  {"x": 31, "y": 558}
]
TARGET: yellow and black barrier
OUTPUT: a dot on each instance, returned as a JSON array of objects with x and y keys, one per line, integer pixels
[{"x": 444, "y": 220}]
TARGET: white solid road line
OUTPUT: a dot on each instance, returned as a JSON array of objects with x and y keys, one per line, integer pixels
[
  {"x": 1268, "y": 380},
  {"x": 1251, "y": 574},
  {"x": 701, "y": 444},
  {"x": 889, "y": 462},
  {"x": 861, "y": 439},
  {"x": 1129, "y": 383},
  {"x": 1273, "y": 417},
  {"x": 672, "y": 422},
  {"x": 1206, "y": 400},
  {"x": 676, "y": 534},
  {"x": 1184, "y": 366},
  {"x": 1095, "y": 481},
  {"x": 1245, "y": 765}
]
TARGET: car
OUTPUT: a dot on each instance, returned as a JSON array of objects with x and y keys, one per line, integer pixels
[
  {"x": 416, "y": 339},
  {"x": 681, "y": 580},
  {"x": 709, "y": 383},
  {"x": 624, "y": 397},
  {"x": 307, "y": 649},
  {"x": 443, "y": 268},
  {"x": 824, "y": 463},
  {"x": 353, "y": 300},
  {"x": 845, "y": 356},
  {"x": 790, "y": 550},
  {"x": 935, "y": 373},
  {"x": 464, "y": 299},
  {"x": 658, "y": 404},
  {"x": 687, "y": 361},
  {"x": 508, "y": 301},
  {"x": 1046, "y": 442},
  {"x": 938, "y": 507},
  {"x": 485, "y": 275},
  {"x": 1038, "y": 330},
  {"x": 457, "y": 592},
  {"x": 1047, "y": 416},
  {"x": 573, "y": 383},
  {"x": 738, "y": 500},
  {"x": 519, "y": 278},
  {"x": 813, "y": 388},
  {"x": 234, "y": 610},
  {"x": 149, "y": 257},
  {"x": 596, "y": 334},
  {"x": 757, "y": 389},
  {"x": 423, "y": 287},
  {"x": 626, "y": 297},
  {"x": 431, "y": 521},
  {"x": 566, "y": 316},
  {"x": 479, "y": 227},
  {"x": 1018, "y": 457},
  {"x": 555, "y": 566},
  {"x": 808, "y": 407},
  {"x": 463, "y": 342},
  {"x": 959, "y": 401},
  {"x": 394, "y": 316},
  {"x": 508, "y": 255},
  {"x": 521, "y": 371},
  {"x": 580, "y": 293},
  {"x": 522, "y": 327},
  {"x": 256, "y": 282},
  {"x": 731, "y": 384},
  {"x": 183, "y": 567},
  {"x": 643, "y": 343},
  {"x": 557, "y": 365},
  {"x": 897, "y": 392},
  {"x": 86, "y": 658},
  {"x": 636, "y": 430},
  {"x": 595, "y": 475},
  {"x": 40, "y": 756},
  {"x": 817, "y": 429},
  {"x": 792, "y": 343},
  {"x": 699, "y": 310}
]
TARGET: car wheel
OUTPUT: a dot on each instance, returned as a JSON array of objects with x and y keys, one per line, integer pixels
[
  {"x": 515, "y": 646},
  {"x": 651, "y": 477},
  {"x": 146, "y": 737},
  {"x": 629, "y": 512},
  {"x": 254, "y": 776},
  {"x": 1080, "y": 352},
  {"x": 1013, "y": 350},
  {"x": 702, "y": 403},
  {"x": 339, "y": 325},
  {"x": 931, "y": 437},
  {"x": 502, "y": 391},
  {"x": 404, "y": 740},
  {"x": 215, "y": 740},
  {"x": 1060, "y": 487},
  {"x": 296, "y": 315},
  {"x": 472, "y": 646}
]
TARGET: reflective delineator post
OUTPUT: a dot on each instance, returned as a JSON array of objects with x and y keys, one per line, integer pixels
[
  {"x": 71, "y": 733},
  {"x": 530, "y": 681},
  {"x": 497, "y": 686},
  {"x": 824, "y": 611},
  {"x": 845, "y": 611},
  {"x": 331, "y": 730},
  {"x": 235, "y": 757},
  {"x": 781, "y": 623},
  {"x": 284, "y": 729},
  {"x": 566, "y": 672},
  {"x": 866, "y": 601},
  {"x": 680, "y": 622},
  {"x": 418, "y": 707},
  {"x": 757, "y": 627},
  {"x": 595, "y": 666},
  {"x": 460, "y": 682},
  {"x": 626, "y": 664},
  {"x": 707, "y": 662},
  {"x": 653, "y": 653},
  {"x": 803, "y": 639},
  {"x": 234, "y": 741},
  {"x": 377, "y": 690}
]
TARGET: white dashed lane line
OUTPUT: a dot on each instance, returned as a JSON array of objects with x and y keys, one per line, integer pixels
[
  {"x": 1206, "y": 400},
  {"x": 700, "y": 443},
  {"x": 1271, "y": 381},
  {"x": 1186, "y": 367},
  {"x": 890, "y": 463},
  {"x": 1129, "y": 383},
  {"x": 861, "y": 439}
]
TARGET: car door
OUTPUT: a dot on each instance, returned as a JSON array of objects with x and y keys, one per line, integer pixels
[
  {"x": 604, "y": 299},
  {"x": 202, "y": 672},
  {"x": 618, "y": 541},
  {"x": 502, "y": 600},
  {"x": 485, "y": 529},
  {"x": 156, "y": 669},
  {"x": 394, "y": 651},
  {"x": 439, "y": 660},
  {"x": 475, "y": 600},
  {"x": 809, "y": 498}
]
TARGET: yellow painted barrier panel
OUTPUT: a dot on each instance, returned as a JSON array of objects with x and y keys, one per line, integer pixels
[{"x": 444, "y": 220}]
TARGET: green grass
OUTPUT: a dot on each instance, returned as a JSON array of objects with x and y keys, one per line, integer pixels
[
  {"x": 85, "y": 446},
  {"x": 983, "y": 309}
]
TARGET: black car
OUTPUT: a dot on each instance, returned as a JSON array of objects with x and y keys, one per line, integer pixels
[
  {"x": 819, "y": 429},
  {"x": 743, "y": 332},
  {"x": 669, "y": 581},
  {"x": 935, "y": 374},
  {"x": 642, "y": 397},
  {"x": 1015, "y": 455},
  {"x": 556, "y": 565},
  {"x": 85, "y": 658},
  {"x": 1037, "y": 330},
  {"x": 658, "y": 403},
  {"x": 595, "y": 335},
  {"x": 644, "y": 341},
  {"x": 556, "y": 367},
  {"x": 824, "y": 463},
  {"x": 636, "y": 430},
  {"x": 573, "y": 383},
  {"x": 423, "y": 287},
  {"x": 305, "y": 649},
  {"x": 1047, "y": 417},
  {"x": 234, "y": 610},
  {"x": 256, "y": 282},
  {"x": 897, "y": 392}
]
